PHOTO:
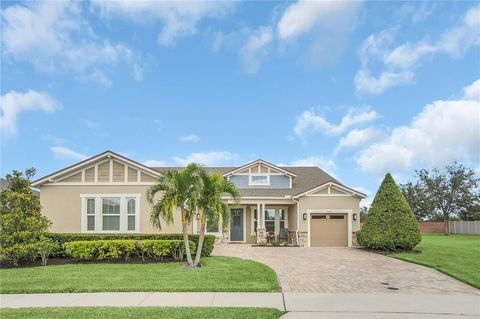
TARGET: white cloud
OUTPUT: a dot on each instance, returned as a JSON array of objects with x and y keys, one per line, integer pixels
[
  {"x": 399, "y": 62},
  {"x": 327, "y": 165},
  {"x": 303, "y": 16},
  {"x": 100, "y": 77},
  {"x": 155, "y": 163},
  {"x": 358, "y": 137},
  {"x": 138, "y": 72},
  {"x": 310, "y": 121},
  {"x": 444, "y": 131},
  {"x": 192, "y": 138},
  {"x": 13, "y": 103},
  {"x": 67, "y": 154},
  {"x": 179, "y": 18},
  {"x": 365, "y": 82},
  {"x": 206, "y": 158},
  {"x": 254, "y": 49},
  {"x": 53, "y": 35},
  {"x": 472, "y": 92}
]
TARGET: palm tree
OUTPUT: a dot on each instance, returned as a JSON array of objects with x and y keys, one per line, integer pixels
[
  {"x": 179, "y": 189},
  {"x": 211, "y": 204}
]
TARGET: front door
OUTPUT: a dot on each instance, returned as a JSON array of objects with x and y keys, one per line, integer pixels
[{"x": 236, "y": 224}]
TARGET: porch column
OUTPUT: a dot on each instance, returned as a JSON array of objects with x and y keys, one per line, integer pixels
[
  {"x": 263, "y": 214},
  {"x": 259, "y": 223}
]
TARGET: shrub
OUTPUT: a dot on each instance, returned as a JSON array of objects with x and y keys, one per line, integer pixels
[
  {"x": 45, "y": 248},
  {"x": 62, "y": 238},
  {"x": 21, "y": 224},
  {"x": 391, "y": 224},
  {"x": 117, "y": 249},
  {"x": 159, "y": 249}
]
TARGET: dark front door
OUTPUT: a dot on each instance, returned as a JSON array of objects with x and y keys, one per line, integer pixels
[{"x": 236, "y": 224}]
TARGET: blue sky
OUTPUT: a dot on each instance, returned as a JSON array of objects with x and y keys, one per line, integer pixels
[{"x": 357, "y": 88}]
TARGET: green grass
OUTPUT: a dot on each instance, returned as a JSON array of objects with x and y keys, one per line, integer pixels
[
  {"x": 144, "y": 313},
  {"x": 455, "y": 255},
  {"x": 217, "y": 274}
]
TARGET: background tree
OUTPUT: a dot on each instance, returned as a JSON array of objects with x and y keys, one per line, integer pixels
[
  {"x": 471, "y": 213},
  {"x": 21, "y": 223},
  {"x": 421, "y": 204},
  {"x": 363, "y": 213},
  {"x": 211, "y": 205},
  {"x": 391, "y": 224},
  {"x": 178, "y": 189},
  {"x": 445, "y": 194}
]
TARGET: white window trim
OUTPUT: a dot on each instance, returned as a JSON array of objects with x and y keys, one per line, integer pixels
[
  {"x": 277, "y": 218},
  {"x": 98, "y": 213},
  {"x": 219, "y": 233},
  {"x": 252, "y": 220},
  {"x": 257, "y": 183}
]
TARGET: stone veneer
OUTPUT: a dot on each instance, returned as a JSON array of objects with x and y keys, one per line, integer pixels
[{"x": 261, "y": 236}]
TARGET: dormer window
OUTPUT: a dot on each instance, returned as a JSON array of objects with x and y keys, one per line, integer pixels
[{"x": 259, "y": 179}]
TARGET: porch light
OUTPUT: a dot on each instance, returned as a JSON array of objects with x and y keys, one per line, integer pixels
[
  {"x": 304, "y": 216},
  {"x": 354, "y": 216},
  {"x": 198, "y": 216}
]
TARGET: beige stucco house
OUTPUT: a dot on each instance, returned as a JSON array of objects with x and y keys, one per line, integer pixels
[{"x": 107, "y": 194}]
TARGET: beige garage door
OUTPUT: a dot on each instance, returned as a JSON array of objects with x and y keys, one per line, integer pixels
[{"x": 328, "y": 230}]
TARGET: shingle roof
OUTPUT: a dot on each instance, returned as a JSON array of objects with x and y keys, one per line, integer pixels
[{"x": 307, "y": 178}]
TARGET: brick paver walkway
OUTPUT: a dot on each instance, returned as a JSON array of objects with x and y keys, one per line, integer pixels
[{"x": 346, "y": 270}]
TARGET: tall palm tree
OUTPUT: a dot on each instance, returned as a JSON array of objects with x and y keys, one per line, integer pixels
[
  {"x": 211, "y": 204},
  {"x": 180, "y": 189}
]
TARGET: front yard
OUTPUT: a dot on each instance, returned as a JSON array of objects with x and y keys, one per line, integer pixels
[
  {"x": 145, "y": 313},
  {"x": 454, "y": 255},
  {"x": 218, "y": 274}
]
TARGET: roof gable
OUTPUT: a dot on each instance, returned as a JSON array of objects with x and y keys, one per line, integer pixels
[
  {"x": 259, "y": 167},
  {"x": 102, "y": 168}
]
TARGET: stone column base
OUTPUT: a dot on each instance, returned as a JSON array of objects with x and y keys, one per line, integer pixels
[
  {"x": 303, "y": 239},
  {"x": 261, "y": 236}
]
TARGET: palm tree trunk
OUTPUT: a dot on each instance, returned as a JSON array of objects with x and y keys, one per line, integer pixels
[
  {"x": 185, "y": 239},
  {"x": 198, "y": 255}
]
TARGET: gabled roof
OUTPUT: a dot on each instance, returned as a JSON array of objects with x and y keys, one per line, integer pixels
[
  {"x": 258, "y": 162},
  {"x": 91, "y": 160}
]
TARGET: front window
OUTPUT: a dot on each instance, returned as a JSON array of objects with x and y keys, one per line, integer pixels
[
  {"x": 255, "y": 221},
  {"x": 213, "y": 226},
  {"x": 111, "y": 214},
  {"x": 270, "y": 220},
  {"x": 259, "y": 179},
  {"x": 131, "y": 212},
  {"x": 90, "y": 214}
]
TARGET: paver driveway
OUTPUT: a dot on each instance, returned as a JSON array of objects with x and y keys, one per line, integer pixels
[{"x": 346, "y": 270}]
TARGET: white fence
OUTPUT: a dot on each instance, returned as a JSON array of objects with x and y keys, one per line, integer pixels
[{"x": 465, "y": 227}]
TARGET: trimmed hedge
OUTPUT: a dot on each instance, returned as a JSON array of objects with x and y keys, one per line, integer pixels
[
  {"x": 391, "y": 224},
  {"x": 62, "y": 238},
  {"x": 124, "y": 249}
]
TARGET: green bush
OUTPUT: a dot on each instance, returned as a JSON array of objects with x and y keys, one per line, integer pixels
[
  {"x": 159, "y": 249},
  {"x": 45, "y": 248},
  {"x": 118, "y": 249},
  {"x": 62, "y": 238},
  {"x": 391, "y": 224}
]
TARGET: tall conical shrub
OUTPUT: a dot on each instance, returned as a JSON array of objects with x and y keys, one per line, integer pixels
[{"x": 391, "y": 224}]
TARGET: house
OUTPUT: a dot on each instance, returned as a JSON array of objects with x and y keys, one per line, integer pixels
[{"x": 107, "y": 194}]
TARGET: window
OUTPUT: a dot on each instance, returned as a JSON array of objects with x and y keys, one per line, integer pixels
[
  {"x": 259, "y": 180},
  {"x": 319, "y": 216},
  {"x": 90, "y": 214},
  {"x": 111, "y": 214},
  {"x": 254, "y": 222},
  {"x": 131, "y": 212},
  {"x": 270, "y": 220},
  {"x": 337, "y": 217},
  {"x": 213, "y": 226},
  {"x": 281, "y": 218}
]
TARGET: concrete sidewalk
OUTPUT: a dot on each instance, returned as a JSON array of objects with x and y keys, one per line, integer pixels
[{"x": 299, "y": 305}]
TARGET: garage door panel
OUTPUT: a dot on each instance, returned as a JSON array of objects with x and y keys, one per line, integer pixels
[{"x": 328, "y": 230}]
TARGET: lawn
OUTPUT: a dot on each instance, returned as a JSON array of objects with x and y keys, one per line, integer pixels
[
  {"x": 144, "y": 313},
  {"x": 455, "y": 255},
  {"x": 217, "y": 274}
]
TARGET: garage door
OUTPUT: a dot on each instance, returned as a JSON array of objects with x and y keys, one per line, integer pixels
[{"x": 328, "y": 230}]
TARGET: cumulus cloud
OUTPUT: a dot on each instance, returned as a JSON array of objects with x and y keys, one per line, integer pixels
[
  {"x": 67, "y": 154},
  {"x": 303, "y": 16},
  {"x": 206, "y": 158},
  {"x": 398, "y": 62},
  {"x": 192, "y": 138},
  {"x": 179, "y": 18},
  {"x": 444, "y": 131},
  {"x": 472, "y": 92},
  {"x": 53, "y": 35},
  {"x": 254, "y": 50},
  {"x": 358, "y": 137},
  {"x": 155, "y": 163},
  {"x": 13, "y": 103},
  {"x": 310, "y": 121},
  {"x": 327, "y": 165}
]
